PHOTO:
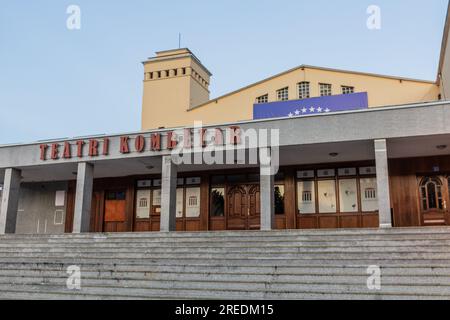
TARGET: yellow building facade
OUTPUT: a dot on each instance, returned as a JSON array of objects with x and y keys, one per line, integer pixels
[{"x": 176, "y": 90}]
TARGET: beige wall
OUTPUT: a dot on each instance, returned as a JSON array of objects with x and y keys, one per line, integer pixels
[
  {"x": 166, "y": 98},
  {"x": 173, "y": 112},
  {"x": 444, "y": 72}
]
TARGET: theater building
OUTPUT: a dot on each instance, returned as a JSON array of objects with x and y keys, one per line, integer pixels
[{"x": 342, "y": 150}]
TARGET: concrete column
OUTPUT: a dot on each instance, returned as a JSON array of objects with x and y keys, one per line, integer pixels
[
  {"x": 267, "y": 184},
  {"x": 10, "y": 201},
  {"x": 384, "y": 201},
  {"x": 83, "y": 198},
  {"x": 168, "y": 195}
]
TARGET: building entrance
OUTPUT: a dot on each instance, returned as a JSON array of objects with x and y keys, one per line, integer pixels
[
  {"x": 243, "y": 211},
  {"x": 434, "y": 200}
]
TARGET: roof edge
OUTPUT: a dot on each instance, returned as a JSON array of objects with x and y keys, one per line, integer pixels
[{"x": 305, "y": 66}]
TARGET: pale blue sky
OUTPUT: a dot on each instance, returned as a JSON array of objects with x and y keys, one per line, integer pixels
[{"x": 59, "y": 83}]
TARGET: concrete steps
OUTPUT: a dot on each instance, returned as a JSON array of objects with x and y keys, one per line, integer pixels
[{"x": 316, "y": 264}]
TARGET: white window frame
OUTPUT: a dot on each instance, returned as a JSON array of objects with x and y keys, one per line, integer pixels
[
  {"x": 283, "y": 94},
  {"x": 348, "y": 89},
  {"x": 325, "y": 89},
  {"x": 304, "y": 90},
  {"x": 262, "y": 99}
]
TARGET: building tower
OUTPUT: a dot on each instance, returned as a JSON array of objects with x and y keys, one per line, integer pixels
[{"x": 174, "y": 82}]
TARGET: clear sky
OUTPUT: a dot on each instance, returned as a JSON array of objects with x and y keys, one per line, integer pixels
[{"x": 56, "y": 82}]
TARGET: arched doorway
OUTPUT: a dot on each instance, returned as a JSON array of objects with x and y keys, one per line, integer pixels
[{"x": 434, "y": 197}]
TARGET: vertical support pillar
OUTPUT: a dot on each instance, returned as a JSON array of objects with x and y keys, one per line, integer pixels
[
  {"x": 267, "y": 184},
  {"x": 83, "y": 198},
  {"x": 168, "y": 194},
  {"x": 384, "y": 201},
  {"x": 10, "y": 201}
]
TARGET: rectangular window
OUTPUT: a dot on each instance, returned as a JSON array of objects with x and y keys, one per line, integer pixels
[
  {"x": 156, "y": 201},
  {"x": 263, "y": 99},
  {"x": 192, "y": 202},
  {"x": 303, "y": 90},
  {"x": 325, "y": 89},
  {"x": 150, "y": 75},
  {"x": 217, "y": 180},
  {"x": 279, "y": 199},
  {"x": 306, "y": 197},
  {"x": 143, "y": 203},
  {"x": 348, "y": 195},
  {"x": 175, "y": 72},
  {"x": 179, "y": 203},
  {"x": 283, "y": 94},
  {"x": 327, "y": 196},
  {"x": 369, "y": 202},
  {"x": 217, "y": 202},
  {"x": 347, "y": 90}
]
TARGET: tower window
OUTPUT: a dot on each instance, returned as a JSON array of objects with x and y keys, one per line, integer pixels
[
  {"x": 262, "y": 99},
  {"x": 303, "y": 90},
  {"x": 184, "y": 70},
  {"x": 159, "y": 74},
  {"x": 150, "y": 75},
  {"x": 325, "y": 89},
  {"x": 167, "y": 73},
  {"x": 347, "y": 90},
  {"x": 283, "y": 94},
  {"x": 175, "y": 72}
]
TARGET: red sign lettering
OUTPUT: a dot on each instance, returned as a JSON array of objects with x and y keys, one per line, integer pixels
[
  {"x": 139, "y": 143},
  {"x": 218, "y": 137},
  {"x": 171, "y": 140},
  {"x": 55, "y": 151},
  {"x": 67, "y": 153},
  {"x": 235, "y": 135},
  {"x": 93, "y": 148},
  {"x": 80, "y": 144},
  {"x": 124, "y": 148},
  {"x": 202, "y": 137},
  {"x": 43, "y": 148},
  {"x": 156, "y": 142},
  {"x": 187, "y": 141},
  {"x": 105, "y": 151}
]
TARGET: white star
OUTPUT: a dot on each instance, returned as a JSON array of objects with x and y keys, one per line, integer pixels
[
  {"x": 290, "y": 115},
  {"x": 297, "y": 112},
  {"x": 312, "y": 109},
  {"x": 304, "y": 110},
  {"x": 327, "y": 110},
  {"x": 319, "y": 109}
]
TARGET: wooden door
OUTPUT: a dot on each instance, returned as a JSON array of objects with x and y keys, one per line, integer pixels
[
  {"x": 254, "y": 210},
  {"x": 434, "y": 199},
  {"x": 237, "y": 208},
  {"x": 115, "y": 214},
  {"x": 243, "y": 210}
]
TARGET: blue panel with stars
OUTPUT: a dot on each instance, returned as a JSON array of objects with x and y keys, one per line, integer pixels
[{"x": 319, "y": 105}]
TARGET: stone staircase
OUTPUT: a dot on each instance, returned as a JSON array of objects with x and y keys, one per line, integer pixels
[{"x": 299, "y": 264}]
